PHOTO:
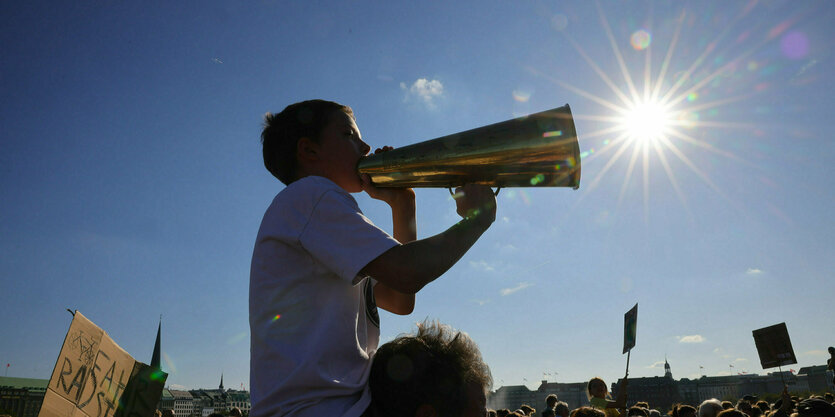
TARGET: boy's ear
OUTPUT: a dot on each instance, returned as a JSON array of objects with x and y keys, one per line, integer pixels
[{"x": 307, "y": 149}]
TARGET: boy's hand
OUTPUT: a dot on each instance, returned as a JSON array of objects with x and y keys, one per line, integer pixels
[
  {"x": 392, "y": 196},
  {"x": 477, "y": 202}
]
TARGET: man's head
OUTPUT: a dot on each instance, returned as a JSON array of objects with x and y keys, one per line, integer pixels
[
  {"x": 710, "y": 408},
  {"x": 815, "y": 407},
  {"x": 436, "y": 372},
  {"x": 293, "y": 136},
  {"x": 561, "y": 409},
  {"x": 551, "y": 400},
  {"x": 528, "y": 410},
  {"x": 587, "y": 412},
  {"x": 637, "y": 412},
  {"x": 732, "y": 412}
]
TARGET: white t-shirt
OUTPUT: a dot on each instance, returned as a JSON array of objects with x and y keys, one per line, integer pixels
[{"x": 313, "y": 320}]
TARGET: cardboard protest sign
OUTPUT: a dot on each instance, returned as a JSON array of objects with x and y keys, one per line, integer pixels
[
  {"x": 94, "y": 377},
  {"x": 774, "y": 346},
  {"x": 630, "y": 328}
]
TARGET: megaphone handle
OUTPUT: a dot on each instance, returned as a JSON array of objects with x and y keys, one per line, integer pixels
[{"x": 496, "y": 194}]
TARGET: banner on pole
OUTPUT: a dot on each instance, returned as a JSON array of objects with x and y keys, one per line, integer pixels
[
  {"x": 630, "y": 327},
  {"x": 95, "y": 377},
  {"x": 774, "y": 346}
]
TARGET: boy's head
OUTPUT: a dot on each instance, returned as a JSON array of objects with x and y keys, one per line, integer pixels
[{"x": 300, "y": 122}]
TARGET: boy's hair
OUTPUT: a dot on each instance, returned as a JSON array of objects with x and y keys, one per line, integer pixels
[
  {"x": 434, "y": 366},
  {"x": 282, "y": 132}
]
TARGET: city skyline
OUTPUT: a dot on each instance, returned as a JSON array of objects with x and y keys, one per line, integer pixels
[{"x": 133, "y": 183}]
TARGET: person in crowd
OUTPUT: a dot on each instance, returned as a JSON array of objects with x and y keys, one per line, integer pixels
[
  {"x": 815, "y": 407},
  {"x": 435, "y": 372},
  {"x": 527, "y": 410},
  {"x": 492, "y": 413},
  {"x": 599, "y": 399},
  {"x": 551, "y": 401},
  {"x": 654, "y": 413},
  {"x": 763, "y": 406},
  {"x": 710, "y": 408},
  {"x": 683, "y": 410},
  {"x": 636, "y": 411},
  {"x": 548, "y": 412},
  {"x": 561, "y": 409},
  {"x": 587, "y": 412},
  {"x": 727, "y": 405},
  {"x": 319, "y": 263},
  {"x": 731, "y": 412},
  {"x": 235, "y": 412},
  {"x": 744, "y": 406},
  {"x": 830, "y": 363},
  {"x": 829, "y": 397},
  {"x": 642, "y": 404},
  {"x": 502, "y": 412}
]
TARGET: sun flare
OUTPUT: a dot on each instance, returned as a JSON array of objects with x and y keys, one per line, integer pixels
[{"x": 647, "y": 121}]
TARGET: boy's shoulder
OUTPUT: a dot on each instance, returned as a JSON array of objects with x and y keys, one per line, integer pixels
[{"x": 308, "y": 191}]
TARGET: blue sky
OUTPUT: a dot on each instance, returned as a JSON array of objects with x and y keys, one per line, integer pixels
[{"x": 133, "y": 185}]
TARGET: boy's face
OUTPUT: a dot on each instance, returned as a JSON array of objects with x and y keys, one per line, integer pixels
[{"x": 340, "y": 148}]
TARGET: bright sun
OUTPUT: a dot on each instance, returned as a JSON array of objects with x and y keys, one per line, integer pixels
[{"x": 647, "y": 121}]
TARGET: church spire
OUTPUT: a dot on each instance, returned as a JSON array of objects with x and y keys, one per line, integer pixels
[
  {"x": 667, "y": 372},
  {"x": 221, "y": 381},
  {"x": 155, "y": 360}
]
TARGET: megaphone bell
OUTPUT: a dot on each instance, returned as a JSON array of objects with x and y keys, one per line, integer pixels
[{"x": 538, "y": 150}]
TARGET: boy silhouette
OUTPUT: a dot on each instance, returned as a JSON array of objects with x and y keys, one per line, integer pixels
[{"x": 320, "y": 268}]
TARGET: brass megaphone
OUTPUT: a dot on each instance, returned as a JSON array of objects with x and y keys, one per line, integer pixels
[{"x": 538, "y": 150}]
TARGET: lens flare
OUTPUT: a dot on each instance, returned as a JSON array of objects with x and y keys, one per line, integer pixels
[
  {"x": 640, "y": 39},
  {"x": 275, "y": 319},
  {"x": 521, "y": 96},
  {"x": 169, "y": 364},
  {"x": 794, "y": 45}
]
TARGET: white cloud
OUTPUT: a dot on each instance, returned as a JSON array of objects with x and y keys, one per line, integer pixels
[
  {"x": 521, "y": 286},
  {"x": 693, "y": 338},
  {"x": 741, "y": 360},
  {"x": 754, "y": 271},
  {"x": 818, "y": 352},
  {"x": 659, "y": 364},
  {"x": 481, "y": 302},
  {"x": 482, "y": 265},
  {"x": 424, "y": 90}
]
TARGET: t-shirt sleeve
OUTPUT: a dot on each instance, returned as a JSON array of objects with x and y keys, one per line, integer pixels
[{"x": 341, "y": 237}]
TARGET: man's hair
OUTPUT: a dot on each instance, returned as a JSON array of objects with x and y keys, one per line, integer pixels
[
  {"x": 282, "y": 132},
  {"x": 727, "y": 405},
  {"x": 435, "y": 366},
  {"x": 526, "y": 409},
  {"x": 710, "y": 408},
  {"x": 551, "y": 400},
  {"x": 642, "y": 404},
  {"x": 732, "y": 412},
  {"x": 637, "y": 411},
  {"x": 587, "y": 412},
  {"x": 561, "y": 409}
]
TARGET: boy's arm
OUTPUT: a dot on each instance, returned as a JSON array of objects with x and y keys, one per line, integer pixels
[
  {"x": 409, "y": 267},
  {"x": 402, "y": 204}
]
